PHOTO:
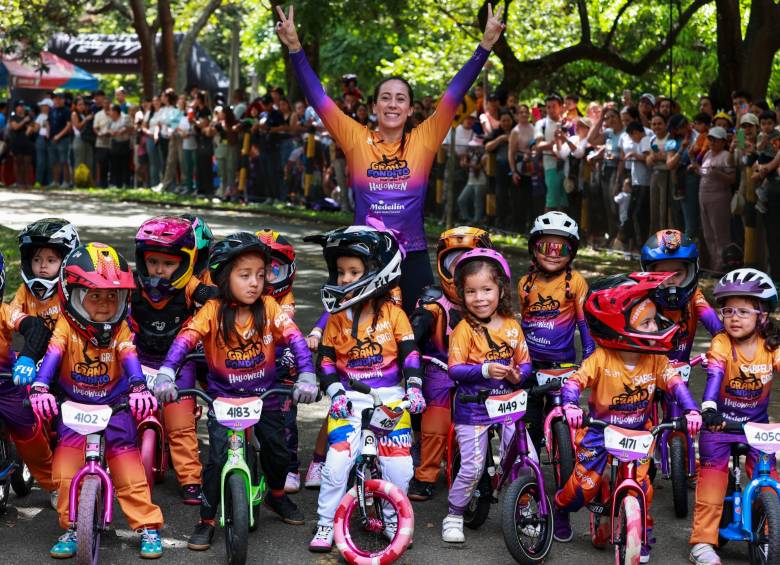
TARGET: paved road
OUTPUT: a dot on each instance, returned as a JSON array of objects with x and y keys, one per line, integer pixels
[{"x": 30, "y": 527}]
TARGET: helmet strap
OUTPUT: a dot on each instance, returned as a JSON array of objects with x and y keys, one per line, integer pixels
[{"x": 357, "y": 310}]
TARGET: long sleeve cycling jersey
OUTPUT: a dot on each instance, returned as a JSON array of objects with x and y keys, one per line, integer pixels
[
  {"x": 390, "y": 180},
  {"x": 697, "y": 310}
]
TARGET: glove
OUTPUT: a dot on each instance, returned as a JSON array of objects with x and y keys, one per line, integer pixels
[
  {"x": 142, "y": 402},
  {"x": 712, "y": 418},
  {"x": 340, "y": 406},
  {"x": 165, "y": 389},
  {"x": 43, "y": 403},
  {"x": 24, "y": 371},
  {"x": 305, "y": 389},
  {"x": 415, "y": 396},
  {"x": 573, "y": 415},
  {"x": 693, "y": 418}
]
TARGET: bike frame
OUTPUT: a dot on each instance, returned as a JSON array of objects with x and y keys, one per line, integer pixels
[
  {"x": 673, "y": 411},
  {"x": 93, "y": 466},
  {"x": 236, "y": 464},
  {"x": 160, "y": 456},
  {"x": 515, "y": 460},
  {"x": 629, "y": 483}
]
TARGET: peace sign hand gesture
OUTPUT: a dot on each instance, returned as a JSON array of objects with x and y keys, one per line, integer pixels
[
  {"x": 493, "y": 27},
  {"x": 285, "y": 28}
]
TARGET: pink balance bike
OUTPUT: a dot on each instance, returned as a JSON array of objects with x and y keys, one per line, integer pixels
[
  {"x": 623, "y": 500},
  {"x": 558, "y": 436},
  {"x": 374, "y": 521}
]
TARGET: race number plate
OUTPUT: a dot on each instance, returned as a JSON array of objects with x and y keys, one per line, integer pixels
[
  {"x": 683, "y": 369},
  {"x": 764, "y": 437},
  {"x": 85, "y": 419},
  {"x": 547, "y": 375},
  {"x": 509, "y": 406},
  {"x": 627, "y": 445},
  {"x": 384, "y": 419},
  {"x": 238, "y": 413},
  {"x": 151, "y": 376}
]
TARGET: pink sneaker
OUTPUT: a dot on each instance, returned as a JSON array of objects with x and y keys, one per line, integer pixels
[
  {"x": 314, "y": 475},
  {"x": 322, "y": 542}
]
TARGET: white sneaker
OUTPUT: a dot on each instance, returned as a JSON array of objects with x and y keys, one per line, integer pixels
[
  {"x": 322, "y": 542},
  {"x": 293, "y": 483},
  {"x": 703, "y": 554},
  {"x": 53, "y": 497},
  {"x": 313, "y": 475},
  {"x": 452, "y": 529}
]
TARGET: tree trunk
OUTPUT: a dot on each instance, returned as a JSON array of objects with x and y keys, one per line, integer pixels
[
  {"x": 166, "y": 43},
  {"x": 148, "y": 52},
  {"x": 188, "y": 42}
]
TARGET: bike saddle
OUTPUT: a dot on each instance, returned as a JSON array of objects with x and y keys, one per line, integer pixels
[{"x": 738, "y": 449}]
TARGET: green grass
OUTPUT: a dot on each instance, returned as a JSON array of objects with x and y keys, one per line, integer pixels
[{"x": 9, "y": 245}]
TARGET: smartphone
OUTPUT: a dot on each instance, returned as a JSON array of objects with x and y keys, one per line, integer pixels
[{"x": 740, "y": 138}]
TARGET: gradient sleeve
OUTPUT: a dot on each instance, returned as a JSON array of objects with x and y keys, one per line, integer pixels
[
  {"x": 670, "y": 381},
  {"x": 128, "y": 356},
  {"x": 582, "y": 378},
  {"x": 17, "y": 307},
  {"x": 716, "y": 370},
  {"x": 580, "y": 295},
  {"x": 408, "y": 354},
  {"x": 326, "y": 357},
  {"x": 54, "y": 353},
  {"x": 321, "y": 323},
  {"x": 706, "y": 314},
  {"x": 460, "y": 343},
  {"x": 522, "y": 359},
  {"x": 344, "y": 129},
  {"x": 285, "y": 331},
  {"x": 196, "y": 329},
  {"x": 435, "y": 127}
]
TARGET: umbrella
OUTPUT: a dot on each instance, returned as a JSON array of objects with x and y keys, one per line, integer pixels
[{"x": 16, "y": 73}]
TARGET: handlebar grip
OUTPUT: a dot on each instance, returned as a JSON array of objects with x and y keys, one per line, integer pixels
[
  {"x": 196, "y": 392},
  {"x": 541, "y": 390},
  {"x": 734, "y": 427},
  {"x": 357, "y": 386},
  {"x": 589, "y": 421}
]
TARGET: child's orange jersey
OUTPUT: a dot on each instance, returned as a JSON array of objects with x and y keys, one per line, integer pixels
[
  {"x": 7, "y": 356},
  {"x": 26, "y": 304}
]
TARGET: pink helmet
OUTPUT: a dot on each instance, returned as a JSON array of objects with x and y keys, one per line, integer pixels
[
  {"x": 484, "y": 255},
  {"x": 171, "y": 235}
]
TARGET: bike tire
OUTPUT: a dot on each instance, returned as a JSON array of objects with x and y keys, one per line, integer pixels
[
  {"x": 148, "y": 448},
  {"x": 5, "y": 493},
  {"x": 236, "y": 519},
  {"x": 89, "y": 523},
  {"x": 728, "y": 509},
  {"x": 21, "y": 479},
  {"x": 563, "y": 458},
  {"x": 515, "y": 526},
  {"x": 629, "y": 532},
  {"x": 344, "y": 540},
  {"x": 678, "y": 464},
  {"x": 766, "y": 530}
]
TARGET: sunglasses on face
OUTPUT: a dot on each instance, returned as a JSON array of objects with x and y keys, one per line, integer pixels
[
  {"x": 729, "y": 312},
  {"x": 551, "y": 249}
]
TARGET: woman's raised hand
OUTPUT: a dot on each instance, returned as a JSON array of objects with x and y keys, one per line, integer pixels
[
  {"x": 285, "y": 28},
  {"x": 493, "y": 27}
]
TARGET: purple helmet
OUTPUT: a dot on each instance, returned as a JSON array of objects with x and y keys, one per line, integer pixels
[
  {"x": 750, "y": 283},
  {"x": 485, "y": 255}
]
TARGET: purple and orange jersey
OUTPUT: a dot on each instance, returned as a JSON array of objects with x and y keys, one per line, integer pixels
[
  {"x": 739, "y": 386},
  {"x": 243, "y": 367},
  {"x": 390, "y": 180},
  {"x": 26, "y": 304},
  {"x": 7, "y": 355},
  {"x": 697, "y": 310},
  {"x": 86, "y": 373},
  {"x": 379, "y": 355},
  {"x": 623, "y": 395},
  {"x": 550, "y": 318},
  {"x": 470, "y": 348}
]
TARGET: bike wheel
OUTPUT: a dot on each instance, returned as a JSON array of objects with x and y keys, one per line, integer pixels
[
  {"x": 728, "y": 510},
  {"x": 765, "y": 548},
  {"x": 563, "y": 453},
  {"x": 367, "y": 543},
  {"x": 628, "y": 546},
  {"x": 236, "y": 519},
  {"x": 5, "y": 493},
  {"x": 527, "y": 535},
  {"x": 148, "y": 449},
  {"x": 678, "y": 455},
  {"x": 89, "y": 524}
]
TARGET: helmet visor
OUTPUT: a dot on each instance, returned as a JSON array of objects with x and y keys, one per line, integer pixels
[
  {"x": 448, "y": 261},
  {"x": 277, "y": 270}
]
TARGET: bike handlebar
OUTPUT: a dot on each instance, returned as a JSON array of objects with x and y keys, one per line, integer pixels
[
  {"x": 363, "y": 388},
  {"x": 676, "y": 425},
  {"x": 114, "y": 409},
  {"x": 483, "y": 395},
  {"x": 208, "y": 400}
]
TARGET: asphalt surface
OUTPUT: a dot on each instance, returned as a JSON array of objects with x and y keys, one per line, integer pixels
[{"x": 30, "y": 528}]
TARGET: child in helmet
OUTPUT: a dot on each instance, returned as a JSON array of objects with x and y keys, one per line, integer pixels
[
  {"x": 204, "y": 239},
  {"x": 240, "y": 331},
  {"x": 31, "y": 442},
  {"x": 551, "y": 298},
  {"x": 43, "y": 245},
  {"x": 623, "y": 373},
  {"x": 92, "y": 359},
  {"x": 739, "y": 380},
  {"x": 680, "y": 299},
  {"x": 278, "y": 284},
  {"x": 437, "y": 314},
  {"x": 487, "y": 352},
  {"x": 367, "y": 337},
  {"x": 166, "y": 296}
]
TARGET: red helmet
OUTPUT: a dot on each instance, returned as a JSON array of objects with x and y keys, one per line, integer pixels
[
  {"x": 282, "y": 263},
  {"x": 88, "y": 267},
  {"x": 452, "y": 244},
  {"x": 608, "y": 311}
]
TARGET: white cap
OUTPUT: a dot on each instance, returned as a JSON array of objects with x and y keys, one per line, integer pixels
[
  {"x": 717, "y": 132},
  {"x": 46, "y": 102}
]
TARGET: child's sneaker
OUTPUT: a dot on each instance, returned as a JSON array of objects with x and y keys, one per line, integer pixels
[
  {"x": 151, "y": 544},
  {"x": 285, "y": 508},
  {"x": 703, "y": 554},
  {"x": 644, "y": 553},
  {"x": 420, "y": 491},
  {"x": 314, "y": 475},
  {"x": 190, "y": 494},
  {"x": 200, "y": 539},
  {"x": 561, "y": 526},
  {"x": 322, "y": 542},
  {"x": 66, "y": 545},
  {"x": 452, "y": 529},
  {"x": 293, "y": 483}
]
